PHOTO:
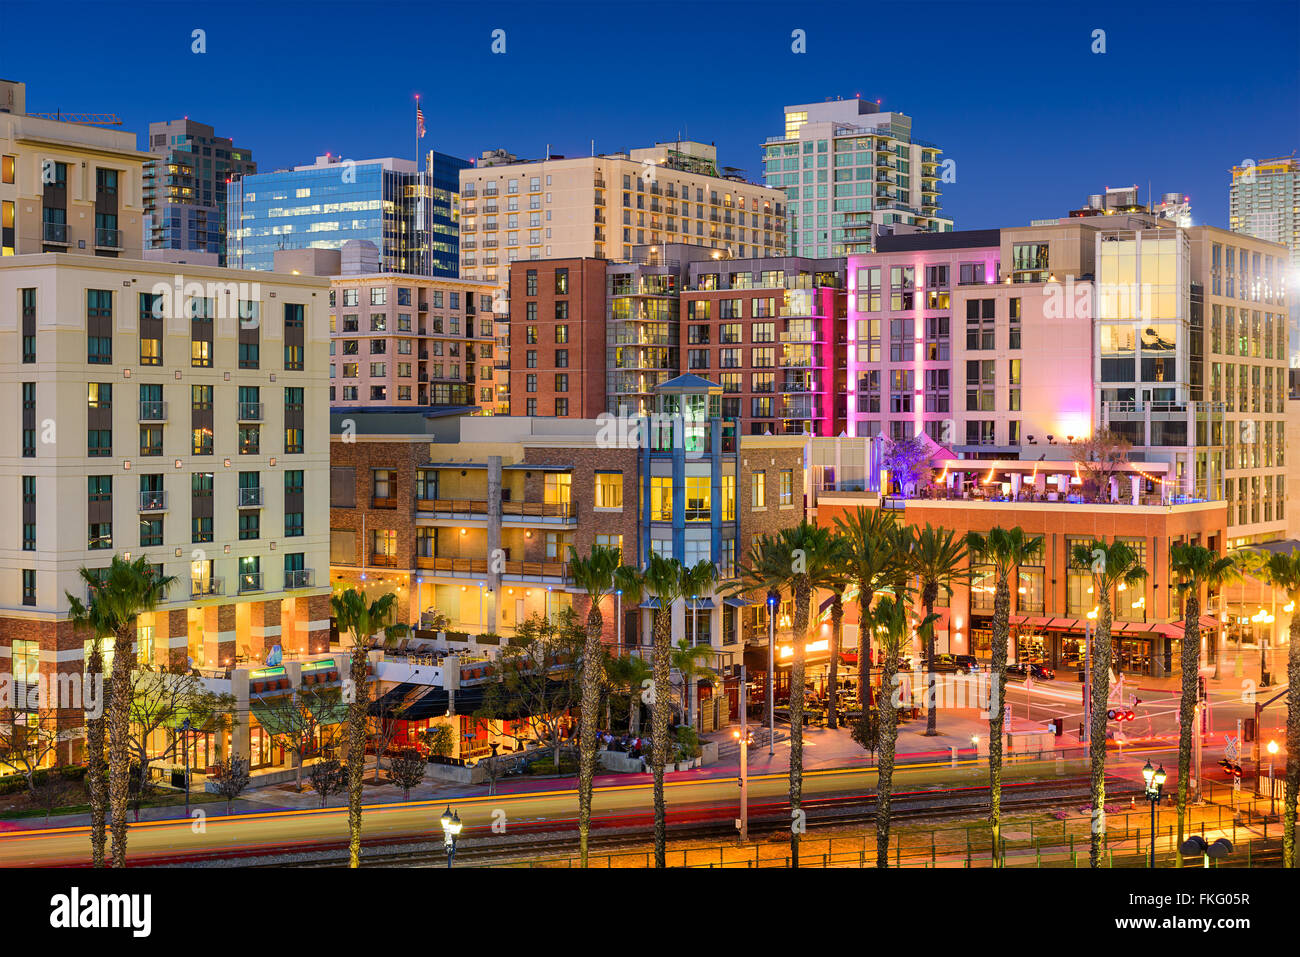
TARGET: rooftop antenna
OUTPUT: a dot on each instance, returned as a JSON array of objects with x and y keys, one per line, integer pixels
[{"x": 593, "y": 146}]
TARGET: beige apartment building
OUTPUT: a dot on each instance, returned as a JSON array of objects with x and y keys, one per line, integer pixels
[
  {"x": 67, "y": 187},
  {"x": 175, "y": 413},
  {"x": 601, "y": 206}
]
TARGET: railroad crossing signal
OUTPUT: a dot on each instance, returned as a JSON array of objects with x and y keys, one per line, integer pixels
[{"x": 1120, "y": 714}]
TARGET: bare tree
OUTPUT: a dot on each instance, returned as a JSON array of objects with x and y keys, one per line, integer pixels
[
  {"x": 406, "y": 770},
  {"x": 386, "y": 714},
  {"x": 27, "y": 740},
  {"x": 53, "y": 792},
  {"x": 1100, "y": 457},
  {"x": 230, "y": 778},
  {"x": 160, "y": 700},
  {"x": 298, "y": 720},
  {"x": 328, "y": 777},
  {"x": 539, "y": 678}
]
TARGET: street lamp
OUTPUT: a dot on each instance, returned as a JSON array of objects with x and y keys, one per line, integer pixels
[
  {"x": 773, "y": 597},
  {"x": 1155, "y": 778},
  {"x": 451, "y": 826},
  {"x": 185, "y": 749},
  {"x": 618, "y": 615},
  {"x": 743, "y": 737},
  {"x": 1272, "y": 795}
]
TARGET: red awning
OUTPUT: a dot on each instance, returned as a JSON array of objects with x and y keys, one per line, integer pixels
[
  {"x": 1067, "y": 624},
  {"x": 1036, "y": 622},
  {"x": 1208, "y": 621},
  {"x": 1017, "y": 619},
  {"x": 849, "y": 657}
]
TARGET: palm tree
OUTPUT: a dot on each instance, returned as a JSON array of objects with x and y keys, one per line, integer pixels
[
  {"x": 118, "y": 596},
  {"x": 697, "y": 580},
  {"x": 889, "y": 622},
  {"x": 1110, "y": 565},
  {"x": 869, "y": 561},
  {"x": 355, "y": 617},
  {"x": 1283, "y": 571},
  {"x": 89, "y": 617},
  {"x": 662, "y": 577},
  {"x": 798, "y": 559},
  {"x": 599, "y": 574},
  {"x": 628, "y": 673},
  {"x": 690, "y": 661},
  {"x": 935, "y": 560},
  {"x": 1006, "y": 550},
  {"x": 1196, "y": 567}
]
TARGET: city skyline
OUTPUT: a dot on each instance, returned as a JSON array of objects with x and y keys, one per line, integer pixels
[{"x": 1120, "y": 118}]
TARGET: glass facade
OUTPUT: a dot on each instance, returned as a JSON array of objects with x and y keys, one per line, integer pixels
[{"x": 410, "y": 218}]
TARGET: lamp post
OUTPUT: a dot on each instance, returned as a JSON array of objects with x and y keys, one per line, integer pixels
[
  {"x": 1272, "y": 795},
  {"x": 772, "y": 600},
  {"x": 185, "y": 749},
  {"x": 618, "y": 615},
  {"x": 743, "y": 736},
  {"x": 1155, "y": 779},
  {"x": 451, "y": 826}
]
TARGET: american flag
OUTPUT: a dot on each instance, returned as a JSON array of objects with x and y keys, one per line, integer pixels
[{"x": 419, "y": 120}]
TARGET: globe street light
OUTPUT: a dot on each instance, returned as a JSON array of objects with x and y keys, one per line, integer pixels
[
  {"x": 772, "y": 598},
  {"x": 451, "y": 826},
  {"x": 1155, "y": 778},
  {"x": 185, "y": 749}
]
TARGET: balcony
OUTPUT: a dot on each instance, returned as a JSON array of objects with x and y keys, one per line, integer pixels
[
  {"x": 383, "y": 560},
  {"x": 383, "y": 501},
  {"x": 250, "y": 412},
  {"x": 153, "y": 501},
  {"x": 56, "y": 234},
  {"x": 510, "y": 511},
  {"x": 297, "y": 578},
  {"x": 153, "y": 411},
  {"x": 108, "y": 238},
  {"x": 250, "y": 581},
  {"x": 206, "y": 587},
  {"x": 474, "y": 567},
  {"x": 250, "y": 498}
]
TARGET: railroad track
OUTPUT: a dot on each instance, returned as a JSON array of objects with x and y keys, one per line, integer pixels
[{"x": 479, "y": 845}]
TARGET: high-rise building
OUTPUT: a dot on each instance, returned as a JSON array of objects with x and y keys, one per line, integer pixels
[
  {"x": 1264, "y": 202},
  {"x": 65, "y": 186},
  {"x": 407, "y": 216},
  {"x": 852, "y": 172},
  {"x": 602, "y": 206},
  {"x": 185, "y": 186}
]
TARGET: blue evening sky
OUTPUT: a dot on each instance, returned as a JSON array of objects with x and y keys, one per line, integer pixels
[{"x": 1011, "y": 91}]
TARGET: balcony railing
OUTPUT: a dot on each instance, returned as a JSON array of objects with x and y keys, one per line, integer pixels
[
  {"x": 250, "y": 412},
  {"x": 204, "y": 587},
  {"x": 297, "y": 578},
  {"x": 153, "y": 411},
  {"x": 108, "y": 238},
  {"x": 250, "y": 581},
  {"x": 479, "y": 566},
  {"x": 250, "y": 498},
  {"x": 155, "y": 501},
  {"x": 383, "y": 560},
  {"x": 383, "y": 501},
  {"x": 56, "y": 233},
  {"x": 446, "y": 506}
]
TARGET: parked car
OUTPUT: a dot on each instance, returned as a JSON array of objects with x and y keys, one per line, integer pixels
[
  {"x": 1037, "y": 671},
  {"x": 961, "y": 664}
]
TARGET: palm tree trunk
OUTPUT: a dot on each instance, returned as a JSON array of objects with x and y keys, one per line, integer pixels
[
  {"x": 997, "y": 709},
  {"x": 888, "y": 712},
  {"x": 833, "y": 677},
  {"x": 802, "y": 595},
  {"x": 1191, "y": 657},
  {"x": 659, "y": 727},
  {"x": 931, "y": 705},
  {"x": 1292, "y": 742},
  {"x": 587, "y": 732},
  {"x": 119, "y": 752},
  {"x": 1097, "y": 741},
  {"x": 357, "y": 747},
  {"x": 95, "y": 768},
  {"x": 864, "y": 648}
]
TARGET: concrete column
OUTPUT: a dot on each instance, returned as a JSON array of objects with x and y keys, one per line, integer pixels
[
  {"x": 1016, "y": 481},
  {"x": 1040, "y": 482},
  {"x": 1135, "y": 488},
  {"x": 1063, "y": 484},
  {"x": 264, "y": 628},
  {"x": 239, "y": 733},
  {"x": 225, "y": 636},
  {"x": 496, "y": 557},
  {"x": 1114, "y": 488},
  {"x": 178, "y": 638},
  {"x": 313, "y": 616}
]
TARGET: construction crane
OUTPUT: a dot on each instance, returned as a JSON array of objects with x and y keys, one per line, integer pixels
[{"x": 87, "y": 119}]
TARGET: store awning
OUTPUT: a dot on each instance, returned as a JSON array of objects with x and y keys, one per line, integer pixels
[
  {"x": 397, "y": 700},
  {"x": 650, "y": 603},
  {"x": 1064, "y": 624},
  {"x": 738, "y": 601},
  {"x": 1036, "y": 621},
  {"x": 703, "y": 604}
]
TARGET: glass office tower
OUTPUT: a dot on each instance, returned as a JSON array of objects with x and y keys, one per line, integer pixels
[{"x": 409, "y": 216}]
